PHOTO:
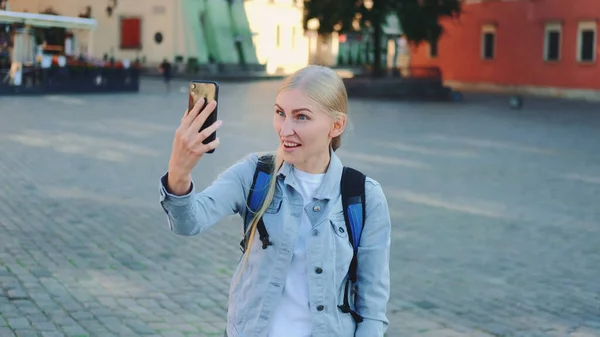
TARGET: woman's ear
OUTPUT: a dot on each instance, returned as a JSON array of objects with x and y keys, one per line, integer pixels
[{"x": 338, "y": 126}]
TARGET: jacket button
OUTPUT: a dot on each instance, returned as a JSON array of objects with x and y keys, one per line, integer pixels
[
  {"x": 317, "y": 208},
  {"x": 315, "y": 232},
  {"x": 320, "y": 308},
  {"x": 318, "y": 270}
]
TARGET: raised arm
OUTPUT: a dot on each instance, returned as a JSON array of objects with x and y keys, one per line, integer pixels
[
  {"x": 373, "y": 270},
  {"x": 189, "y": 213},
  {"x": 193, "y": 212}
]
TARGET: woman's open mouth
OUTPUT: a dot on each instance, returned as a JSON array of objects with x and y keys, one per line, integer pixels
[{"x": 289, "y": 146}]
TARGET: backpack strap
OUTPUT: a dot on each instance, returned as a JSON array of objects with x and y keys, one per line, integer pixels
[
  {"x": 353, "y": 203},
  {"x": 256, "y": 196}
]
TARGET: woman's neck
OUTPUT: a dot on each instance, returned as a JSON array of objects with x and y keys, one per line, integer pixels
[{"x": 315, "y": 164}]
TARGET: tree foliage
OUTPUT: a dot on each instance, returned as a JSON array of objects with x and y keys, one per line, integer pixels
[{"x": 419, "y": 19}]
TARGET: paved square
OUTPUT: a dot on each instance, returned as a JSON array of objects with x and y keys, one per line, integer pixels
[{"x": 496, "y": 214}]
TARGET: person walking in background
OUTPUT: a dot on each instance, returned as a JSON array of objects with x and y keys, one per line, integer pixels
[{"x": 165, "y": 68}]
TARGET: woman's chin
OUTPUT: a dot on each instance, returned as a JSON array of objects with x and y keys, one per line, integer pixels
[{"x": 290, "y": 154}]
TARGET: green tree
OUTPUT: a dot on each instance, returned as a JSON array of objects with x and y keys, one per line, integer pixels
[{"x": 419, "y": 19}]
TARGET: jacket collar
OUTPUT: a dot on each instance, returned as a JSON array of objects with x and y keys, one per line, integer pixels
[{"x": 330, "y": 187}]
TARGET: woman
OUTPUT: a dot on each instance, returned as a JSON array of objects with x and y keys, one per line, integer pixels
[{"x": 294, "y": 284}]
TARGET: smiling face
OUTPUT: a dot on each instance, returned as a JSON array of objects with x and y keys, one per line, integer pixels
[{"x": 305, "y": 130}]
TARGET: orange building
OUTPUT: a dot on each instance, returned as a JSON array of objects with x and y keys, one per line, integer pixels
[{"x": 547, "y": 47}]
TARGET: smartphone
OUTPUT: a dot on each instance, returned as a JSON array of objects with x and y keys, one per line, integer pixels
[{"x": 210, "y": 91}]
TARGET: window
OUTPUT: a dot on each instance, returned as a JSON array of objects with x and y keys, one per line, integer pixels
[
  {"x": 433, "y": 49},
  {"x": 277, "y": 36},
  {"x": 552, "y": 37},
  {"x": 586, "y": 41},
  {"x": 131, "y": 33},
  {"x": 488, "y": 42}
]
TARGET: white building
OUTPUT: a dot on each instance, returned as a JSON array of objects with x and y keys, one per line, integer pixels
[{"x": 234, "y": 34}]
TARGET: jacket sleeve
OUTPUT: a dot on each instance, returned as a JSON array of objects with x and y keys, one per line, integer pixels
[
  {"x": 373, "y": 272},
  {"x": 193, "y": 213}
]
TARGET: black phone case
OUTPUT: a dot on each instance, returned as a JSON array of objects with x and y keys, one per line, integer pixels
[{"x": 212, "y": 118}]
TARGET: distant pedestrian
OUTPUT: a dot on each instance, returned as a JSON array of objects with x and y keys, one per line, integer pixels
[
  {"x": 317, "y": 247},
  {"x": 165, "y": 69}
]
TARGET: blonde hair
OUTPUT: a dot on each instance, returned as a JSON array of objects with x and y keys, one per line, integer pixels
[
  {"x": 327, "y": 90},
  {"x": 323, "y": 86}
]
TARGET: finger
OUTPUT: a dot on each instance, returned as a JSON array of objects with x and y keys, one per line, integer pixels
[
  {"x": 212, "y": 145},
  {"x": 185, "y": 114},
  {"x": 201, "y": 118},
  {"x": 190, "y": 101},
  {"x": 192, "y": 114},
  {"x": 209, "y": 131}
]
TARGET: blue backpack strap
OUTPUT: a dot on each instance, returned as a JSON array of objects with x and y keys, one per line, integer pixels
[
  {"x": 256, "y": 196},
  {"x": 353, "y": 203}
]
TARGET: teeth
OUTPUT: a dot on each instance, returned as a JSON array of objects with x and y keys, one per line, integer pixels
[{"x": 290, "y": 144}]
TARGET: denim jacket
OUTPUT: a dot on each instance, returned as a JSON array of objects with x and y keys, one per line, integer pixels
[{"x": 254, "y": 299}]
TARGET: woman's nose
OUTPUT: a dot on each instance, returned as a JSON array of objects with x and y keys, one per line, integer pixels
[{"x": 286, "y": 128}]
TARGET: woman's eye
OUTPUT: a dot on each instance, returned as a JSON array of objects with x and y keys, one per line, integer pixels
[
  {"x": 280, "y": 113},
  {"x": 302, "y": 117}
]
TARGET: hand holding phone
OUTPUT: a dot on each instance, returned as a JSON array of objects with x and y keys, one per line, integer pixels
[
  {"x": 195, "y": 136},
  {"x": 208, "y": 90}
]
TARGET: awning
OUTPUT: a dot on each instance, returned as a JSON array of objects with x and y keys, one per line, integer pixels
[{"x": 46, "y": 20}]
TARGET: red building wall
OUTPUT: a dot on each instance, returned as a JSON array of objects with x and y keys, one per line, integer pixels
[{"x": 519, "y": 49}]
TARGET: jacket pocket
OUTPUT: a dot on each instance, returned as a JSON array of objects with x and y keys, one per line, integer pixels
[{"x": 275, "y": 205}]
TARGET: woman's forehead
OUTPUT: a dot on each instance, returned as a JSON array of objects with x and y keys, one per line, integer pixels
[{"x": 294, "y": 99}]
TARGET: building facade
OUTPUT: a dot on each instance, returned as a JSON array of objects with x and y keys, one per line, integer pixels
[
  {"x": 547, "y": 47},
  {"x": 278, "y": 34},
  {"x": 234, "y": 34}
]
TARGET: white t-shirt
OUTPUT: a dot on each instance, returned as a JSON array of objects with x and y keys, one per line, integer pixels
[{"x": 292, "y": 317}]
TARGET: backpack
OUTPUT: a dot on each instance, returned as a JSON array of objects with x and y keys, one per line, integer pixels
[{"x": 353, "y": 202}]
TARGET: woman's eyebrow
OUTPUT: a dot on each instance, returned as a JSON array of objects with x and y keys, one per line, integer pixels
[{"x": 295, "y": 110}]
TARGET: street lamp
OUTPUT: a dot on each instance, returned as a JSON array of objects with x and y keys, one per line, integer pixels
[
  {"x": 313, "y": 24},
  {"x": 111, "y": 6}
]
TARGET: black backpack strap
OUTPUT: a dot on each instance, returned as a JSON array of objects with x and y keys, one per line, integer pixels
[
  {"x": 256, "y": 197},
  {"x": 353, "y": 203}
]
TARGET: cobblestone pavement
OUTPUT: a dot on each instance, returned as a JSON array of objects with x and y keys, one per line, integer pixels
[{"x": 496, "y": 214}]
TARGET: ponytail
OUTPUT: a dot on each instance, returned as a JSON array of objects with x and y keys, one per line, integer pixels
[{"x": 277, "y": 162}]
